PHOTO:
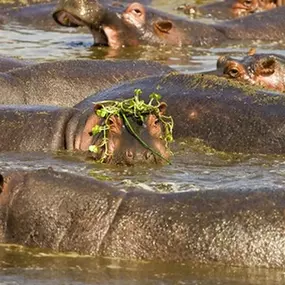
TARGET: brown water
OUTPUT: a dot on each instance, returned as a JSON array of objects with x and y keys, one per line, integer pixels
[{"x": 193, "y": 169}]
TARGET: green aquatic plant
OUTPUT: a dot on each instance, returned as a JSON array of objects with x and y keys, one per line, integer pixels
[{"x": 137, "y": 109}]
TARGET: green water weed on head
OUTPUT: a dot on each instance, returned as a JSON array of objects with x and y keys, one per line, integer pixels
[{"x": 134, "y": 108}]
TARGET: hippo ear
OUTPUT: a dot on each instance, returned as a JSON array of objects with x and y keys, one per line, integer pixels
[
  {"x": 162, "y": 108},
  {"x": 163, "y": 26},
  {"x": 86, "y": 135},
  {"x": 222, "y": 60},
  {"x": 265, "y": 66}
]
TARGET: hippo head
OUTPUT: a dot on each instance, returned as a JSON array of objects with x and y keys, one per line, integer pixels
[
  {"x": 121, "y": 146},
  {"x": 75, "y": 13},
  {"x": 119, "y": 25},
  {"x": 245, "y": 7},
  {"x": 257, "y": 69}
]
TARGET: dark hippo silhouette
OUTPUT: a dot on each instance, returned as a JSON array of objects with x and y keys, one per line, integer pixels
[
  {"x": 226, "y": 115},
  {"x": 46, "y": 128},
  {"x": 65, "y": 83},
  {"x": 8, "y": 63},
  {"x": 228, "y": 9},
  {"x": 67, "y": 212},
  {"x": 266, "y": 70},
  {"x": 137, "y": 24}
]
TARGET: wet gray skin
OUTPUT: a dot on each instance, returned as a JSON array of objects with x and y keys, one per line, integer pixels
[
  {"x": 37, "y": 13},
  {"x": 8, "y": 63},
  {"x": 266, "y": 70},
  {"x": 137, "y": 24},
  {"x": 46, "y": 128},
  {"x": 226, "y": 115},
  {"x": 67, "y": 212},
  {"x": 33, "y": 14},
  {"x": 65, "y": 83}
]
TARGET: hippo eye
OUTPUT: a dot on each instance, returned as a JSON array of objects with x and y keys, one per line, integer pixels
[
  {"x": 233, "y": 72},
  {"x": 247, "y": 2}
]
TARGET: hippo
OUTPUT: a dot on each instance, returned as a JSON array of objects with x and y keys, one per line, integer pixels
[
  {"x": 228, "y": 9},
  {"x": 71, "y": 213},
  {"x": 8, "y": 63},
  {"x": 47, "y": 128},
  {"x": 38, "y": 14},
  {"x": 266, "y": 70},
  {"x": 136, "y": 24},
  {"x": 225, "y": 115},
  {"x": 65, "y": 83}
]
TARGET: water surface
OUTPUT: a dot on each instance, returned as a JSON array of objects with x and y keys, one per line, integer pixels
[{"x": 193, "y": 169}]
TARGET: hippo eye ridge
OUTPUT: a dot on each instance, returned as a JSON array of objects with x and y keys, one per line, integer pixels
[{"x": 247, "y": 2}]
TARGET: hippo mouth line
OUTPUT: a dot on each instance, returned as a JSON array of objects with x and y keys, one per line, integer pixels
[{"x": 67, "y": 19}]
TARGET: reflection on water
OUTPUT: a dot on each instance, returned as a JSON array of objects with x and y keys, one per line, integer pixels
[
  {"x": 19, "y": 265},
  {"x": 191, "y": 170}
]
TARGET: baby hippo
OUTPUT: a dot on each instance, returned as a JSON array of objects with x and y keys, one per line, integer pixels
[
  {"x": 46, "y": 128},
  {"x": 266, "y": 70}
]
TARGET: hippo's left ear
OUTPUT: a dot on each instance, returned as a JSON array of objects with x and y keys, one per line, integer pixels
[
  {"x": 86, "y": 135},
  {"x": 163, "y": 26},
  {"x": 162, "y": 108},
  {"x": 265, "y": 66}
]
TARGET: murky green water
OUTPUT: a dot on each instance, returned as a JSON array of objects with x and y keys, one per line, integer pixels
[{"x": 191, "y": 170}]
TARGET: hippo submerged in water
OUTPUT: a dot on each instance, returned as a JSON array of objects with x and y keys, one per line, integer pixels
[
  {"x": 65, "y": 83},
  {"x": 266, "y": 70},
  {"x": 137, "y": 24},
  {"x": 67, "y": 212},
  {"x": 226, "y": 115},
  {"x": 8, "y": 63},
  {"x": 38, "y": 14},
  {"x": 45, "y": 128},
  {"x": 228, "y": 9}
]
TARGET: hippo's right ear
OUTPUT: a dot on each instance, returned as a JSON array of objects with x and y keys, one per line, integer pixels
[
  {"x": 163, "y": 26},
  {"x": 162, "y": 108},
  {"x": 265, "y": 66}
]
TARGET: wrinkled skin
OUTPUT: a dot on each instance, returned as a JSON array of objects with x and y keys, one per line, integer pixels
[
  {"x": 213, "y": 109},
  {"x": 8, "y": 63},
  {"x": 65, "y": 83},
  {"x": 67, "y": 212},
  {"x": 42, "y": 128},
  {"x": 266, "y": 70},
  {"x": 228, "y": 9},
  {"x": 137, "y": 24}
]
